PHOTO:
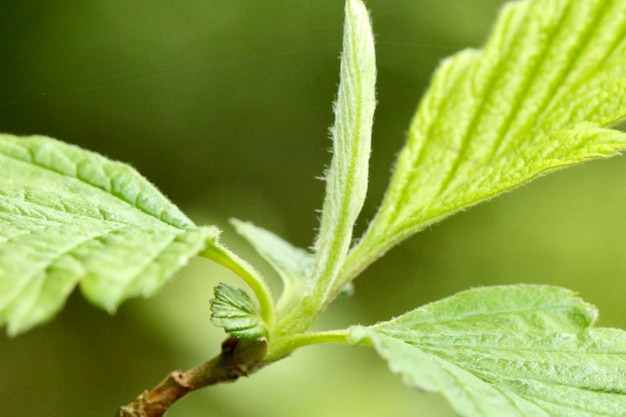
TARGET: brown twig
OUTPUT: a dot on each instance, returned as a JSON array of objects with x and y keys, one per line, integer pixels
[{"x": 238, "y": 358}]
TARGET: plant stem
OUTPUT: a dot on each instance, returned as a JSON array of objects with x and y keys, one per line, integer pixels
[
  {"x": 368, "y": 250},
  {"x": 249, "y": 274},
  {"x": 285, "y": 345},
  {"x": 237, "y": 358}
]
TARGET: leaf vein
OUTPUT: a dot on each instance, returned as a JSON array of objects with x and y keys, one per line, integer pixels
[{"x": 33, "y": 162}]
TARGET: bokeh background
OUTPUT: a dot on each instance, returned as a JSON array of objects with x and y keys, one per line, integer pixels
[{"x": 225, "y": 105}]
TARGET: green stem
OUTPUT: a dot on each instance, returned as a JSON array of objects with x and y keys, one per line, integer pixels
[
  {"x": 369, "y": 248},
  {"x": 312, "y": 305},
  {"x": 285, "y": 345},
  {"x": 249, "y": 274},
  {"x": 359, "y": 258}
]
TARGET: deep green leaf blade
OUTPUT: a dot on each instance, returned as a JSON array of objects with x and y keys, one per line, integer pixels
[
  {"x": 234, "y": 310},
  {"x": 541, "y": 95},
  {"x": 72, "y": 217},
  {"x": 524, "y": 350}
]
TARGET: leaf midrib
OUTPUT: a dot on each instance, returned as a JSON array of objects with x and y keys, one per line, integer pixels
[{"x": 478, "y": 315}]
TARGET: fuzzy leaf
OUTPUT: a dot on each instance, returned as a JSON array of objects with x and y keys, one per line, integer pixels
[
  {"x": 516, "y": 351},
  {"x": 234, "y": 311},
  {"x": 70, "y": 216},
  {"x": 346, "y": 179},
  {"x": 294, "y": 265},
  {"x": 542, "y": 94}
]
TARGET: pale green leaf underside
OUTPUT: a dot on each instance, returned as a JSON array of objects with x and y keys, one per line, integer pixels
[
  {"x": 541, "y": 95},
  {"x": 234, "y": 311},
  {"x": 346, "y": 179},
  {"x": 71, "y": 217},
  {"x": 516, "y": 351},
  {"x": 294, "y": 265}
]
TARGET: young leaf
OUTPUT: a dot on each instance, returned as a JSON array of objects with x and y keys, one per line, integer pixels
[
  {"x": 234, "y": 311},
  {"x": 68, "y": 217},
  {"x": 294, "y": 265},
  {"x": 346, "y": 179},
  {"x": 518, "y": 351},
  {"x": 354, "y": 111},
  {"x": 541, "y": 95}
]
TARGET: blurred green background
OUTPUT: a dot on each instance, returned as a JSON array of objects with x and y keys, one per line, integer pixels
[{"x": 225, "y": 105}]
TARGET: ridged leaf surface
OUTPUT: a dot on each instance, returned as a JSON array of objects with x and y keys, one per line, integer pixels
[
  {"x": 516, "y": 351},
  {"x": 542, "y": 94},
  {"x": 72, "y": 217}
]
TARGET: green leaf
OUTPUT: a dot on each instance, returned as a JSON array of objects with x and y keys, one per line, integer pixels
[
  {"x": 294, "y": 265},
  {"x": 346, "y": 180},
  {"x": 68, "y": 217},
  {"x": 542, "y": 94},
  {"x": 236, "y": 313},
  {"x": 525, "y": 350}
]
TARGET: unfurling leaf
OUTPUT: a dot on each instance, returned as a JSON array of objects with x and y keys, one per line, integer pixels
[
  {"x": 72, "y": 217},
  {"x": 234, "y": 311},
  {"x": 516, "y": 351},
  {"x": 346, "y": 180},
  {"x": 347, "y": 176},
  {"x": 542, "y": 94}
]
